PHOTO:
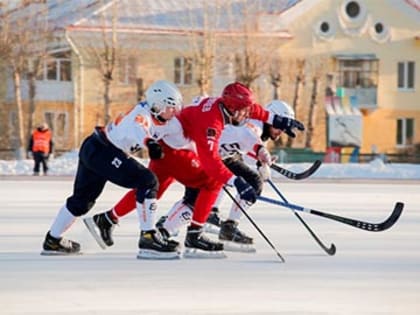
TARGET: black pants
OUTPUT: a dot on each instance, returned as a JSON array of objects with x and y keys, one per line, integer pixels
[
  {"x": 40, "y": 158},
  {"x": 99, "y": 162},
  {"x": 240, "y": 168}
]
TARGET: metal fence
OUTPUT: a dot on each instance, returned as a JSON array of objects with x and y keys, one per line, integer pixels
[{"x": 309, "y": 156}]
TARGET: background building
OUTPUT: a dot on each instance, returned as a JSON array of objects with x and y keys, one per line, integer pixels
[{"x": 347, "y": 67}]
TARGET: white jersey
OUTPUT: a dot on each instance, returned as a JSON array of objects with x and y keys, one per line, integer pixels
[
  {"x": 174, "y": 136},
  {"x": 240, "y": 139},
  {"x": 129, "y": 131}
]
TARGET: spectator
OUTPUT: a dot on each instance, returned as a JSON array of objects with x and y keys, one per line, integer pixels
[{"x": 40, "y": 148}]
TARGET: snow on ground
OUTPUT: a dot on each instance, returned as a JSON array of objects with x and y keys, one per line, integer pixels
[
  {"x": 372, "y": 272},
  {"x": 67, "y": 164}
]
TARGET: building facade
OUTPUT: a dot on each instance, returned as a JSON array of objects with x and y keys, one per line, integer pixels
[
  {"x": 374, "y": 50},
  {"x": 368, "y": 53}
]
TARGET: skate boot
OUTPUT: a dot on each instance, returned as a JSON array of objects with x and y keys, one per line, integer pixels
[
  {"x": 213, "y": 222},
  {"x": 152, "y": 245},
  {"x": 234, "y": 239},
  {"x": 161, "y": 221},
  {"x": 197, "y": 245},
  {"x": 59, "y": 246},
  {"x": 165, "y": 234},
  {"x": 103, "y": 224}
]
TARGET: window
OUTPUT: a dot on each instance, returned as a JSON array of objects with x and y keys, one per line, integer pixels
[
  {"x": 127, "y": 73},
  {"x": 324, "y": 27},
  {"x": 57, "y": 67},
  {"x": 58, "y": 123},
  {"x": 379, "y": 27},
  {"x": 358, "y": 73},
  {"x": 353, "y": 9},
  {"x": 405, "y": 131},
  {"x": 183, "y": 71},
  {"x": 406, "y": 70}
]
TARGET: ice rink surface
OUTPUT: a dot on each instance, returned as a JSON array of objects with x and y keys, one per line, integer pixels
[{"x": 371, "y": 273}]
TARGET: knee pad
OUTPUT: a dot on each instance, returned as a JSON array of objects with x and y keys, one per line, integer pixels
[{"x": 148, "y": 187}]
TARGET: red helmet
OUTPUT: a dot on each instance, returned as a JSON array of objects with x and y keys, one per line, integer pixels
[{"x": 237, "y": 96}]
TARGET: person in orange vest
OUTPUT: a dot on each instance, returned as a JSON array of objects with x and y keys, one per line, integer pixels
[{"x": 41, "y": 147}]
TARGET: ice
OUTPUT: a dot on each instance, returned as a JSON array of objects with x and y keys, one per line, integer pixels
[{"x": 371, "y": 273}]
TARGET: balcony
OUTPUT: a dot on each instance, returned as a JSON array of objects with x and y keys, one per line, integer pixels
[{"x": 361, "y": 98}]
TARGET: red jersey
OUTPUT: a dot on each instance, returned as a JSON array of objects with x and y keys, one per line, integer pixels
[{"x": 203, "y": 124}]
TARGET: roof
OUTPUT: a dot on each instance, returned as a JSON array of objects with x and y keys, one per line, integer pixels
[
  {"x": 161, "y": 16},
  {"x": 152, "y": 14},
  {"x": 60, "y": 12}
]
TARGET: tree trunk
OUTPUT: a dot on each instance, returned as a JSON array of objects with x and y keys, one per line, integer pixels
[
  {"x": 32, "y": 93},
  {"x": 275, "y": 82},
  {"x": 312, "y": 114},
  {"x": 107, "y": 100},
  {"x": 20, "y": 150},
  {"x": 296, "y": 100}
]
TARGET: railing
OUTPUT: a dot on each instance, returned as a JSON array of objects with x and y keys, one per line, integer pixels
[
  {"x": 362, "y": 98},
  {"x": 309, "y": 156}
]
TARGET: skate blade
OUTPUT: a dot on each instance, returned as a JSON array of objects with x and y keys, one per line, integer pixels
[
  {"x": 203, "y": 254},
  {"x": 57, "y": 253},
  {"x": 236, "y": 247},
  {"x": 156, "y": 255},
  {"x": 211, "y": 228},
  {"x": 91, "y": 226}
]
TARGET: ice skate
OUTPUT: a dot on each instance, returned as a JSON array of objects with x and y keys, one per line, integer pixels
[
  {"x": 167, "y": 237},
  {"x": 197, "y": 245},
  {"x": 213, "y": 222},
  {"x": 159, "y": 225},
  {"x": 234, "y": 240},
  {"x": 101, "y": 227},
  {"x": 152, "y": 245},
  {"x": 59, "y": 246}
]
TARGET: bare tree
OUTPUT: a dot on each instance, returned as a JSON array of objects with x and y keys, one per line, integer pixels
[
  {"x": 103, "y": 53},
  {"x": 299, "y": 82},
  {"x": 275, "y": 69},
  {"x": 255, "y": 48},
  {"x": 204, "y": 43},
  {"x": 24, "y": 34},
  {"x": 312, "y": 110},
  {"x": 247, "y": 60},
  {"x": 319, "y": 68}
]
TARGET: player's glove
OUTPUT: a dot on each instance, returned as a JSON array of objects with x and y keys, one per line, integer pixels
[
  {"x": 287, "y": 125},
  {"x": 245, "y": 190},
  {"x": 155, "y": 150},
  {"x": 263, "y": 155},
  {"x": 264, "y": 170}
]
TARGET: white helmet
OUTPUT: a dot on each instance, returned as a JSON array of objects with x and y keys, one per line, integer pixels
[
  {"x": 280, "y": 108},
  {"x": 162, "y": 94}
]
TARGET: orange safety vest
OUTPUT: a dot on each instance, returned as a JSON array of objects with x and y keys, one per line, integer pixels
[{"x": 41, "y": 141}]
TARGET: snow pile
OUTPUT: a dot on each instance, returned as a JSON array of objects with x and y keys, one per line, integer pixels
[{"x": 66, "y": 165}]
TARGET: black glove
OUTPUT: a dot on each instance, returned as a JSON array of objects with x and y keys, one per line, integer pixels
[
  {"x": 245, "y": 190},
  {"x": 287, "y": 125},
  {"x": 155, "y": 150}
]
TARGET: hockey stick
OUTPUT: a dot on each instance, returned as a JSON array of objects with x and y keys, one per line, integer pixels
[
  {"x": 367, "y": 226},
  {"x": 297, "y": 176},
  {"x": 289, "y": 174},
  {"x": 331, "y": 250},
  {"x": 254, "y": 224}
]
